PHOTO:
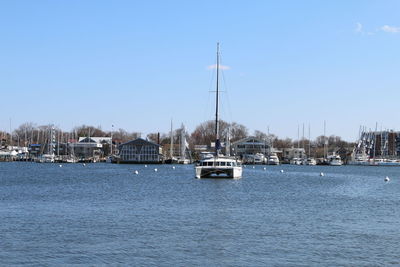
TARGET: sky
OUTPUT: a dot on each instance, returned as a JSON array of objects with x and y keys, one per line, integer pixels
[{"x": 138, "y": 64}]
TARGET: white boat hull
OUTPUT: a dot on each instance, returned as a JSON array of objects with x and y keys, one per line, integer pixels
[
  {"x": 335, "y": 163},
  {"x": 218, "y": 172}
]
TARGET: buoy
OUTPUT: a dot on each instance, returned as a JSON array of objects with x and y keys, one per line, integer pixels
[
  {"x": 321, "y": 174},
  {"x": 145, "y": 166},
  {"x": 136, "y": 172},
  {"x": 254, "y": 167},
  {"x": 84, "y": 164},
  {"x": 173, "y": 167},
  {"x": 387, "y": 179},
  {"x": 155, "y": 169},
  {"x": 265, "y": 168},
  {"x": 281, "y": 171},
  {"x": 60, "y": 165}
]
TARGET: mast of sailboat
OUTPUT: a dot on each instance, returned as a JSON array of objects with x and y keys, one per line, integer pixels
[
  {"x": 309, "y": 141},
  {"x": 171, "y": 150},
  {"x": 217, "y": 142}
]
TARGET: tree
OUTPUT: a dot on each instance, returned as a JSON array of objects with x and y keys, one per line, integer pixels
[
  {"x": 122, "y": 136},
  {"x": 24, "y": 134},
  {"x": 204, "y": 134},
  {"x": 85, "y": 131},
  {"x": 283, "y": 143},
  {"x": 238, "y": 131},
  {"x": 154, "y": 137}
]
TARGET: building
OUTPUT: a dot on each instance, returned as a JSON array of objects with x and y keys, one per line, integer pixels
[
  {"x": 90, "y": 147},
  {"x": 292, "y": 153},
  {"x": 250, "y": 146},
  {"x": 139, "y": 151}
]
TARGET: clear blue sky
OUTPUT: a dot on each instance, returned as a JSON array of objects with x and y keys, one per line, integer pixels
[{"x": 137, "y": 64}]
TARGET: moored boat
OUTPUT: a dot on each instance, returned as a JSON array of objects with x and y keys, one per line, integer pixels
[{"x": 219, "y": 166}]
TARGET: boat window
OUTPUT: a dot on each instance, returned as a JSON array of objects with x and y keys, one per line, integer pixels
[
  {"x": 217, "y": 163},
  {"x": 229, "y": 163},
  {"x": 210, "y": 163},
  {"x": 223, "y": 163}
]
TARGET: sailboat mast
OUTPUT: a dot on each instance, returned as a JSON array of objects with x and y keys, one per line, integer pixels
[
  {"x": 171, "y": 150},
  {"x": 217, "y": 144}
]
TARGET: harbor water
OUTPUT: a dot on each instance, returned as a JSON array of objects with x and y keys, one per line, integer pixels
[{"x": 106, "y": 214}]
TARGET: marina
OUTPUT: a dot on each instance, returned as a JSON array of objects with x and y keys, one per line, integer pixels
[{"x": 200, "y": 133}]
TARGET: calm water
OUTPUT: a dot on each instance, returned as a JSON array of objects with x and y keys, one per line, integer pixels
[{"x": 105, "y": 214}]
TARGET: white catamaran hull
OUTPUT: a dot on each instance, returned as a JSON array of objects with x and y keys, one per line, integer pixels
[{"x": 218, "y": 172}]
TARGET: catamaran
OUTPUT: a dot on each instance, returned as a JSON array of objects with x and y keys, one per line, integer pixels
[{"x": 218, "y": 166}]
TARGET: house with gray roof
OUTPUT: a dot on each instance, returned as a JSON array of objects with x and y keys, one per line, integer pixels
[{"x": 139, "y": 151}]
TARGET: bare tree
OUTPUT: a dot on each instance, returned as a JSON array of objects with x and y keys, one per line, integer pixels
[
  {"x": 85, "y": 130},
  {"x": 204, "y": 134}
]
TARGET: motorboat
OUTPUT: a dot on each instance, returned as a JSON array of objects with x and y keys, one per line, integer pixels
[
  {"x": 273, "y": 159},
  {"x": 335, "y": 160},
  {"x": 310, "y": 162},
  {"x": 295, "y": 161}
]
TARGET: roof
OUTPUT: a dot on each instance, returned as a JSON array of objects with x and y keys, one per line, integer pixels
[
  {"x": 98, "y": 140},
  {"x": 250, "y": 140},
  {"x": 139, "y": 141}
]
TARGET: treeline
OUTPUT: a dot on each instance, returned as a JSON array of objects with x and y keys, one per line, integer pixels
[{"x": 30, "y": 133}]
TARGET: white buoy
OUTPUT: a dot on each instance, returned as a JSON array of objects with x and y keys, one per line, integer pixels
[
  {"x": 281, "y": 171},
  {"x": 173, "y": 167},
  {"x": 136, "y": 172},
  {"x": 265, "y": 168},
  {"x": 155, "y": 169},
  {"x": 60, "y": 165},
  {"x": 84, "y": 164},
  {"x": 387, "y": 179},
  {"x": 321, "y": 174},
  {"x": 145, "y": 166},
  {"x": 254, "y": 167}
]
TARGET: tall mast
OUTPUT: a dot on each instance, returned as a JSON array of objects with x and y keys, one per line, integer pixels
[
  {"x": 171, "y": 150},
  {"x": 217, "y": 143},
  {"x": 309, "y": 141},
  {"x": 325, "y": 142}
]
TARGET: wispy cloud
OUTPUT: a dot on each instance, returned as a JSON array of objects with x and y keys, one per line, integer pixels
[
  {"x": 358, "y": 27},
  {"x": 222, "y": 67},
  {"x": 390, "y": 29}
]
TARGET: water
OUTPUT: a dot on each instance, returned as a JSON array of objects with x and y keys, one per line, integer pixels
[{"x": 105, "y": 214}]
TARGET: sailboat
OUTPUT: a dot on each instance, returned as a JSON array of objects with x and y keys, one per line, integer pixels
[
  {"x": 218, "y": 166},
  {"x": 171, "y": 159},
  {"x": 182, "y": 159}
]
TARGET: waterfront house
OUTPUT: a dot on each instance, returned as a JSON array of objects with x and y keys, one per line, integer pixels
[
  {"x": 250, "y": 146},
  {"x": 293, "y": 153},
  {"x": 139, "y": 151},
  {"x": 88, "y": 147}
]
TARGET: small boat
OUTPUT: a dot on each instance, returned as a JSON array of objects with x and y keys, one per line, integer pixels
[
  {"x": 384, "y": 162},
  {"x": 360, "y": 159},
  {"x": 310, "y": 162},
  {"x": 257, "y": 158},
  {"x": 273, "y": 159},
  {"x": 335, "y": 160},
  {"x": 295, "y": 161},
  {"x": 46, "y": 158},
  {"x": 183, "y": 161}
]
